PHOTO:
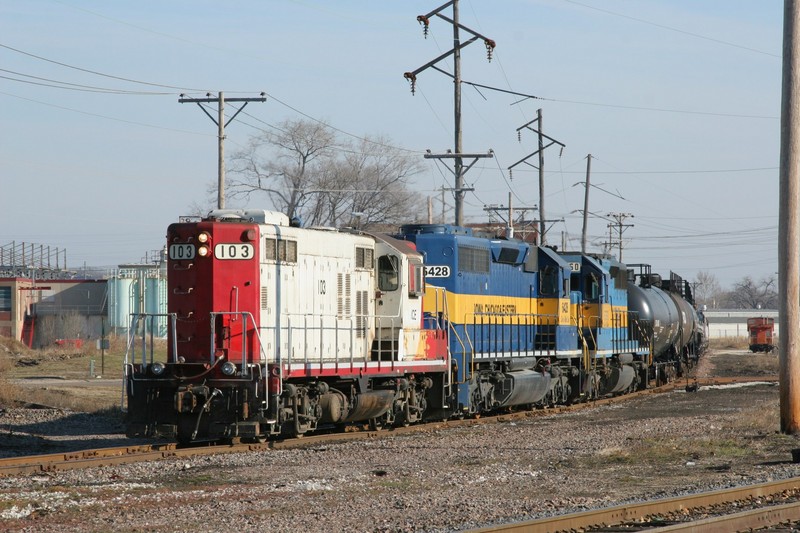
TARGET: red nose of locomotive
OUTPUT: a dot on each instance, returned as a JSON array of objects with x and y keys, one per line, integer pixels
[{"x": 214, "y": 294}]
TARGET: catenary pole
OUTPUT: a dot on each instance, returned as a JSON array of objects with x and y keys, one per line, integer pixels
[
  {"x": 789, "y": 230},
  {"x": 541, "y": 179},
  {"x": 540, "y": 152},
  {"x": 458, "y": 165},
  {"x": 459, "y": 168},
  {"x": 586, "y": 203}
]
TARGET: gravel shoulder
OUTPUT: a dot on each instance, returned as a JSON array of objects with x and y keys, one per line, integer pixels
[{"x": 438, "y": 480}]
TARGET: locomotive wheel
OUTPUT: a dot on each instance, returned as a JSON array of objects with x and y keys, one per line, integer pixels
[{"x": 386, "y": 420}]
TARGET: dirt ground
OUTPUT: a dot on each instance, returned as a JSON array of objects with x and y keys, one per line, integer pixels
[
  {"x": 655, "y": 446},
  {"x": 732, "y": 363}
]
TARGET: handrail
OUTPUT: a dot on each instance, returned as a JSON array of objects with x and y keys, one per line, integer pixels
[
  {"x": 140, "y": 317},
  {"x": 441, "y": 317}
]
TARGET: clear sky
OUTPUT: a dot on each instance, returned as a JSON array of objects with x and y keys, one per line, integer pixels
[{"x": 678, "y": 101}]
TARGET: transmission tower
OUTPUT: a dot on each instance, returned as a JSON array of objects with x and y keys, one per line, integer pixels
[
  {"x": 540, "y": 152},
  {"x": 458, "y": 157}
]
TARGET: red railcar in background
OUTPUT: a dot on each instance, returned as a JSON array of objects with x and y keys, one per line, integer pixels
[{"x": 760, "y": 330}]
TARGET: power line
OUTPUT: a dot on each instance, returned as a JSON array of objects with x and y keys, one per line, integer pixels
[
  {"x": 97, "y": 115},
  {"x": 75, "y": 86},
  {"x": 704, "y": 171},
  {"x": 96, "y": 73},
  {"x": 677, "y": 30},
  {"x": 617, "y": 106}
]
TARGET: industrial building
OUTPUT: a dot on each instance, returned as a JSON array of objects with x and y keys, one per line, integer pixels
[{"x": 43, "y": 302}]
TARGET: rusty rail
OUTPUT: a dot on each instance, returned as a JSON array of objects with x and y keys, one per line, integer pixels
[
  {"x": 27, "y": 465},
  {"x": 640, "y": 513}
]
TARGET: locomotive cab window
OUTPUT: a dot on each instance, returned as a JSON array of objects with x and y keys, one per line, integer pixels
[
  {"x": 591, "y": 288},
  {"x": 416, "y": 285},
  {"x": 548, "y": 281},
  {"x": 575, "y": 281},
  {"x": 388, "y": 273}
]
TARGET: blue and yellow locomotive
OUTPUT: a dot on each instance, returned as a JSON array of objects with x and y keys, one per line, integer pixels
[{"x": 528, "y": 325}]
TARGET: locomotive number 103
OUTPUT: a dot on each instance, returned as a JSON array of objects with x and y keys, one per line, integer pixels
[
  {"x": 233, "y": 251},
  {"x": 180, "y": 252}
]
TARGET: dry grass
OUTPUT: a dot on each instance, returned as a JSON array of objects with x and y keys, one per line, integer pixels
[
  {"x": 729, "y": 343},
  {"x": 672, "y": 450},
  {"x": 22, "y": 373},
  {"x": 8, "y": 391}
]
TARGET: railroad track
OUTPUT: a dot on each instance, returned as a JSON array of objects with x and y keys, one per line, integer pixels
[
  {"x": 708, "y": 512},
  {"x": 27, "y": 465}
]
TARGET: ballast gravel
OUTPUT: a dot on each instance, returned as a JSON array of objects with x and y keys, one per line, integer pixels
[{"x": 440, "y": 480}]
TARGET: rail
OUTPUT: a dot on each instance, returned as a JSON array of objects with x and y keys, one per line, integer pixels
[{"x": 639, "y": 513}]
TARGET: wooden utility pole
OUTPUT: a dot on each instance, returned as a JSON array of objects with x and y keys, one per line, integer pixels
[
  {"x": 789, "y": 228},
  {"x": 586, "y": 204},
  {"x": 430, "y": 210},
  {"x": 540, "y": 152},
  {"x": 458, "y": 166},
  {"x": 221, "y": 123}
]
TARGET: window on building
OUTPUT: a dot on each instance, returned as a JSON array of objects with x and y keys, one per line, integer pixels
[{"x": 5, "y": 303}]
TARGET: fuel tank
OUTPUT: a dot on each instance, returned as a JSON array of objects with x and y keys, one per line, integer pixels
[
  {"x": 335, "y": 407},
  {"x": 659, "y": 309},
  {"x": 618, "y": 379},
  {"x": 525, "y": 386}
]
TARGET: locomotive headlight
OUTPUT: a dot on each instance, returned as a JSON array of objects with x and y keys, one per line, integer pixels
[
  {"x": 202, "y": 251},
  {"x": 203, "y": 237},
  {"x": 157, "y": 369},
  {"x": 228, "y": 368}
]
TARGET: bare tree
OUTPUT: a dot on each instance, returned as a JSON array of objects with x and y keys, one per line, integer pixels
[
  {"x": 306, "y": 172},
  {"x": 706, "y": 289},
  {"x": 369, "y": 186},
  {"x": 284, "y": 165},
  {"x": 750, "y": 294}
]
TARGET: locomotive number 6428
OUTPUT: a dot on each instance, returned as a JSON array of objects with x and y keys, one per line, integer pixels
[{"x": 437, "y": 271}]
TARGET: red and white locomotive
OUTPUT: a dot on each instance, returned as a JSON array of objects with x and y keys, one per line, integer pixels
[{"x": 276, "y": 329}]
